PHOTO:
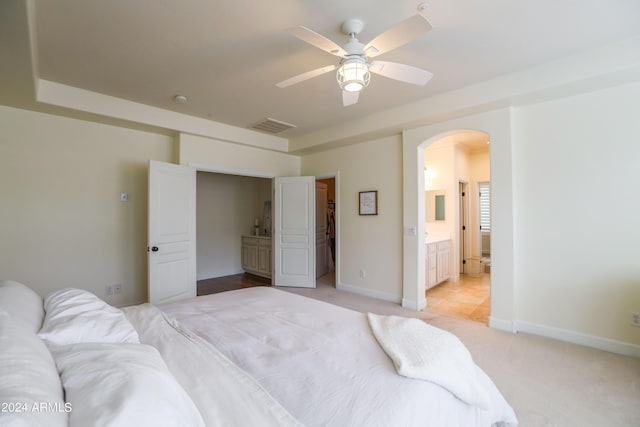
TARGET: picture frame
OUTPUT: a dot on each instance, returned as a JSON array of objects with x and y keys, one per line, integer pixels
[{"x": 368, "y": 202}]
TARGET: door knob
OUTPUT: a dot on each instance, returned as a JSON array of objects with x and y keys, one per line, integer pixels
[{"x": 154, "y": 249}]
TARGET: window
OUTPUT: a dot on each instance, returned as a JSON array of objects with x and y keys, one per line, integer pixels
[{"x": 485, "y": 206}]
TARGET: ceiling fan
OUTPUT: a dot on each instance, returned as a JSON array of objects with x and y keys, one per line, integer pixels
[{"x": 355, "y": 68}]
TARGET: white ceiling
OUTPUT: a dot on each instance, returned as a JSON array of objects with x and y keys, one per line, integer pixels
[
  {"x": 226, "y": 56},
  {"x": 471, "y": 141}
]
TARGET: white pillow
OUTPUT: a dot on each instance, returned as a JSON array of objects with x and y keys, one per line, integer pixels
[
  {"x": 20, "y": 301},
  {"x": 122, "y": 385},
  {"x": 76, "y": 316},
  {"x": 30, "y": 389}
]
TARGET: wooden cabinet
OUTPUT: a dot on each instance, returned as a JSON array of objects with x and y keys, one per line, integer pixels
[
  {"x": 438, "y": 263},
  {"x": 264, "y": 257},
  {"x": 249, "y": 253},
  {"x": 257, "y": 255}
]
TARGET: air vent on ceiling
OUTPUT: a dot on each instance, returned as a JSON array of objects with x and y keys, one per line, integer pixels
[{"x": 272, "y": 126}]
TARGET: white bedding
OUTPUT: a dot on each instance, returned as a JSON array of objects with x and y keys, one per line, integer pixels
[
  {"x": 223, "y": 393},
  {"x": 323, "y": 364},
  {"x": 121, "y": 385}
]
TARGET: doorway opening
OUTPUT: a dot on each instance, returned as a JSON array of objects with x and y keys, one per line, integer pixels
[
  {"x": 458, "y": 280},
  {"x": 326, "y": 231},
  {"x": 232, "y": 213}
]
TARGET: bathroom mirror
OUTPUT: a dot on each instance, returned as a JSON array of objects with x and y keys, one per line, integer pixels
[{"x": 434, "y": 205}]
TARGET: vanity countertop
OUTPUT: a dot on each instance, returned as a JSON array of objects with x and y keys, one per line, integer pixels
[{"x": 434, "y": 238}]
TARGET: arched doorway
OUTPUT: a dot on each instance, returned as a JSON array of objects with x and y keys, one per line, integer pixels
[
  {"x": 497, "y": 124},
  {"x": 456, "y": 280}
]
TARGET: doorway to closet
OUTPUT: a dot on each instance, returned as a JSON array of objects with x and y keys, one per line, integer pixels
[
  {"x": 229, "y": 207},
  {"x": 326, "y": 235}
]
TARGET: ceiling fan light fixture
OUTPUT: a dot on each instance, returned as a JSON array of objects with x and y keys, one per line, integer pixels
[{"x": 353, "y": 75}]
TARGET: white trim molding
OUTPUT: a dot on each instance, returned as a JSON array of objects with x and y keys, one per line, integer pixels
[
  {"x": 385, "y": 296},
  {"x": 230, "y": 171},
  {"x": 414, "y": 305},
  {"x": 606, "y": 344},
  {"x": 501, "y": 324}
]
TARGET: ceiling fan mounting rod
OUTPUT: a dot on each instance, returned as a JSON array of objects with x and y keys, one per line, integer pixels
[{"x": 352, "y": 27}]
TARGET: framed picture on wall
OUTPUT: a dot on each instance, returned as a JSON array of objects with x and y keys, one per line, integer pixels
[{"x": 368, "y": 202}]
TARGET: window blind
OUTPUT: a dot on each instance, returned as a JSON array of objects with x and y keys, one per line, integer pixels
[{"x": 485, "y": 206}]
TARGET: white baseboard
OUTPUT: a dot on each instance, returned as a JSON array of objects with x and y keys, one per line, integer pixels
[
  {"x": 385, "y": 296},
  {"x": 501, "y": 324},
  {"x": 414, "y": 305},
  {"x": 606, "y": 344}
]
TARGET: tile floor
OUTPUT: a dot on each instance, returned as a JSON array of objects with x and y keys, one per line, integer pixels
[{"x": 468, "y": 298}]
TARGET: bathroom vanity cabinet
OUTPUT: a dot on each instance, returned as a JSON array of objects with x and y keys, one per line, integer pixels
[
  {"x": 257, "y": 255},
  {"x": 438, "y": 253}
]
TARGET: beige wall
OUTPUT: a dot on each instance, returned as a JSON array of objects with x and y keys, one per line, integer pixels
[
  {"x": 564, "y": 176},
  {"x": 62, "y": 223},
  {"x": 576, "y": 174},
  {"x": 369, "y": 243},
  {"x": 441, "y": 161},
  {"x": 238, "y": 159}
]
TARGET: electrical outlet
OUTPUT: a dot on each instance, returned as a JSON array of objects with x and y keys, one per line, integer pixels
[
  {"x": 108, "y": 290},
  {"x": 635, "y": 319},
  {"x": 117, "y": 289},
  {"x": 363, "y": 273}
]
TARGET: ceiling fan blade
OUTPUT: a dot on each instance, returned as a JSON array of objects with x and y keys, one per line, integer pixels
[
  {"x": 401, "y": 33},
  {"x": 404, "y": 73},
  {"x": 305, "y": 76},
  {"x": 317, "y": 40},
  {"x": 349, "y": 98}
]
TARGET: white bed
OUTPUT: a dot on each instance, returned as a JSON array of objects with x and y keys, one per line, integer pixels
[
  {"x": 258, "y": 357},
  {"x": 323, "y": 364}
]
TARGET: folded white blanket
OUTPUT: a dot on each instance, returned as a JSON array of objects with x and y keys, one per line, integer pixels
[{"x": 419, "y": 350}]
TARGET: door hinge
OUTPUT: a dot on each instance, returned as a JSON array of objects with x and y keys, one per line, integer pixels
[{"x": 464, "y": 261}]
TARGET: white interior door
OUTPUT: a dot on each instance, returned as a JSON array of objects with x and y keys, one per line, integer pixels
[
  {"x": 172, "y": 232},
  {"x": 321, "y": 229},
  {"x": 294, "y": 232}
]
